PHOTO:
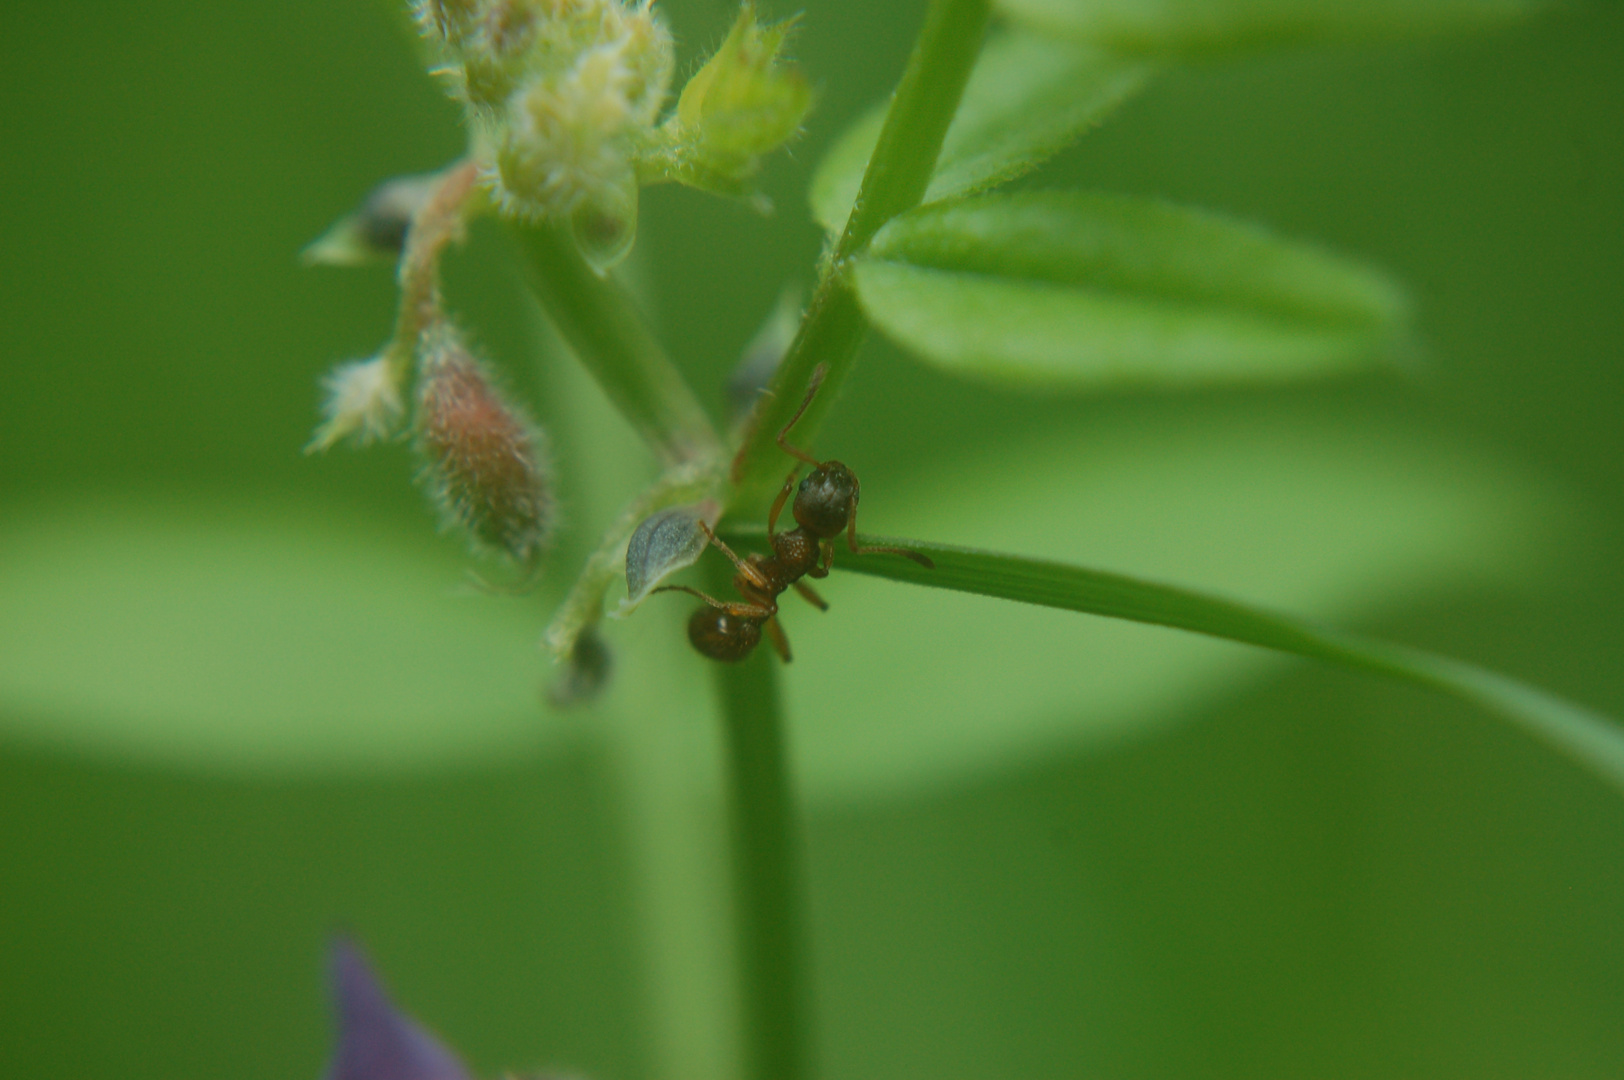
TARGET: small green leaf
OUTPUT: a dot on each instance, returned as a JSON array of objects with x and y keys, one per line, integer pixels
[
  {"x": 257, "y": 640},
  {"x": 1027, "y": 99},
  {"x": 1082, "y": 289},
  {"x": 583, "y": 606},
  {"x": 666, "y": 542},
  {"x": 1214, "y": 27}
]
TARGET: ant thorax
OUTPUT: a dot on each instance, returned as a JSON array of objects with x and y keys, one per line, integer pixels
[{"x": 796, "y": 551}]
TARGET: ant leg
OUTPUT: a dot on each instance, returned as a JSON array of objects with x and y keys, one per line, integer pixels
[
  {"x": 748, "y": 570},
  {"x": 810, "y": 595},
  {"x": 775, "y": 634},
  {"x": 741, "y": 610},
  {"x": 811, "y": 392},
  {"x": 826, "y": 559},
  {"x": 778, "y": 503},
  {"x": 851, "y": 536}
]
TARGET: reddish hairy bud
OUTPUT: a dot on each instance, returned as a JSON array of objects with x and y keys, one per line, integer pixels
[{"x": 486, "y": 463}]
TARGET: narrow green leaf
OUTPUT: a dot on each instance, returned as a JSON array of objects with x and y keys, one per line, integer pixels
[
  {"x": 1027, "y": 99},
  {"x": 1338, "y": 516},
  {"x": 1589, "y": 738},
  {"x": 1082, "y": 289},
  {"x": 1193, "y": 28}
]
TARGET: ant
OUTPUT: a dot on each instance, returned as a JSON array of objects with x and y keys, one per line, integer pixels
[{"x": 825, "y": 506}]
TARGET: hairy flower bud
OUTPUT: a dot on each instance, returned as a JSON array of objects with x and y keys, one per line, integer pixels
[
  {"x": 744, "y": 103},
  {"x": 363, "y": 401},
  {"x": 564, "y": 137},
  {"x": 485, "y": 463}
]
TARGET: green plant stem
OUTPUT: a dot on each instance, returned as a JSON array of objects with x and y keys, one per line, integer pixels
[
  {"x": 898, "y": 174},
  {"x": 767, "y": 864},
  {"x": 768, "y": 894},
  {"x": 601, "y": 322}
]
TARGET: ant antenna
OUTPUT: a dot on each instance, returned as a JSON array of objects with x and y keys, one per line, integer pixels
[
  {"x": 749, "y": 572},
  {"x": 811, "y": 392}
]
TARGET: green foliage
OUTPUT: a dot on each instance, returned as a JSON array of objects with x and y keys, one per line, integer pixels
[
  {"x": 1086, "y": 289},
  {"x": 242, "y": 698},
  {"x": 1200, "y": 28}
]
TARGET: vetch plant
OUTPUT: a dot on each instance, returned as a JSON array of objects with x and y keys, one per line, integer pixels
[{"x": 570, "y": 112}]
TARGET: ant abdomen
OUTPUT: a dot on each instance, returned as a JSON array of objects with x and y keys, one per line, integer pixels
[
  {"x": 721, "y": 636},
  {"x": 824, "y": 501}
]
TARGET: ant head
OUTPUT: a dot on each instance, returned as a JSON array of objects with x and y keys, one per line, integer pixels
[
  {"x": 721, "y": 636},
  {"x": 824, "y": 501}
]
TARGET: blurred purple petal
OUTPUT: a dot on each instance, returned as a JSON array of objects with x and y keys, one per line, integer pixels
[{"x": 375, "y": 1040}]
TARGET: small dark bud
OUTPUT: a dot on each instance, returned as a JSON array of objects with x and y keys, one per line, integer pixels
[
  {"x": 585, "y": 673},
  {"x": 375, "y": 233}
]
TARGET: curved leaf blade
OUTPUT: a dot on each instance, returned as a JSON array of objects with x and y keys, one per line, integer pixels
[
  {"x": 1082, "y": 289},
  {"x": 1592, "y": 740},
  {"x": 1207, "y": 28},
  {"x": 1028, "y": 98},
  {"x": 664, "y": 543},
  {"x": 257, "y": 640}
]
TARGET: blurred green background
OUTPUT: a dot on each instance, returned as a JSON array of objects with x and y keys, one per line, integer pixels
[{"x": 241, "y": 704}]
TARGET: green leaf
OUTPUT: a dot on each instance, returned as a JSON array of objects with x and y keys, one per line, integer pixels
[
  {"x": 1083, "y": 289},
  {"x": 1301, "y": 509},
  {"x": 664, "y": 543},
  {"x": 259, "y": 639},
  {"x": 1027, "y": 99},
  {"x": 1213, "y": 27}
]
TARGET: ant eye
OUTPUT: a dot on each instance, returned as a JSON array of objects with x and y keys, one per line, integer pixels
[{"x": 721, "y": 636}]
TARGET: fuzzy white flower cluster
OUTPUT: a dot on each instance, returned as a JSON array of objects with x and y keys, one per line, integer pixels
[{"x": 562, "y": 93}]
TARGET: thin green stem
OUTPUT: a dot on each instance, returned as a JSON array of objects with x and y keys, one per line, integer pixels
[
  {"x": 768, "y": 897},
  {"x": 767, "y": 866},
  {"x": 601, "y": 322},
  {"x": 921, "y": 111},
  {"x": 898, "y": 174}
]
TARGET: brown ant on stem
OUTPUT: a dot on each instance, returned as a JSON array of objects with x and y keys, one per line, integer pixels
[{"x": 825, "y": 506}]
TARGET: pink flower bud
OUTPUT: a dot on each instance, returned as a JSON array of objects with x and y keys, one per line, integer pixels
[{"x": 486, "y": 463}]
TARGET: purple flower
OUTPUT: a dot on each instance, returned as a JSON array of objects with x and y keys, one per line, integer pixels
[{"x": 376, "y": 1041}]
